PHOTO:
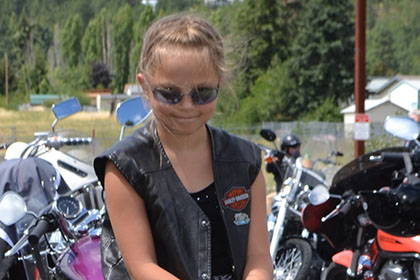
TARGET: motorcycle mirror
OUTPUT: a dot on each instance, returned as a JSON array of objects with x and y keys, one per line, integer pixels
[
  {"x": 12, "y": 208},
  {"x": 64, "y": 109},
  {"x": 402, "y": 127},
  {"x": 318, "y": 195},
  {"x": 132, "y": 112},
  {"x": 268, "y": 134}
]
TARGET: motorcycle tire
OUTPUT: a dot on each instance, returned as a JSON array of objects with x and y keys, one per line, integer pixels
[
  {"x": 293, "y": 260},
  {"x": 334, "y": 272}
]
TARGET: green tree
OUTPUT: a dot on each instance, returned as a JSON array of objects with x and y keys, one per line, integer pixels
[
  {"x": 380, "y": 52},
  {"x": 71, "y": 40},
  {"x": 140, "y": 26},
  {"x": 268, "y": 97},
  {"x": 322, "y": 55},
  {"x": 39, "y": 73},
  {"x": 260, "y": 36},
  {"x": 406, "y": 30},
  {"x": 71, "y": 81},
  {"x": 393, "y": 41},
  {"x": 328, "y": 111},
  {"x": 27, "y": 59},
  {"x": 92, "y": 41},
  {"x": 122, "y": 28},
  {"x": 176, "y": 5},
  {"x": 22, "y": 41}
]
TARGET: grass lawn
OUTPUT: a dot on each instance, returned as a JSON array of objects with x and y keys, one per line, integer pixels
[{"x": 21, "y": 126}]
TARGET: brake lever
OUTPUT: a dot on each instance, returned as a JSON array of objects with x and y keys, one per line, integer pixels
[
  {"x": 22, "y": 242},
  {"x": 343, "y": 207},
  {"x": 331, "y": 215}
]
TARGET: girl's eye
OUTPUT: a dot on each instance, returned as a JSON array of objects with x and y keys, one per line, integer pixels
[{"x": 171, "y": 90}]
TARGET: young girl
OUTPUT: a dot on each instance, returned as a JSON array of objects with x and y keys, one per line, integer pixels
[{"x": 184, "y": 200}]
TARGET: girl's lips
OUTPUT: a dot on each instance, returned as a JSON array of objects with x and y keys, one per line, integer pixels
[{"x": 186, "y": 117}]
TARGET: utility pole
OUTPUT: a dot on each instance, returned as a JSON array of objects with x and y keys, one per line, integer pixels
[
  {"x": 6, "y": 77},
  {"x": 359, "y": 68}
]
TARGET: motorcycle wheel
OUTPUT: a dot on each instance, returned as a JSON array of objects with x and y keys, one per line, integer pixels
[
  {"x": 293, "y": 260},
  {"x": 334, "y": 272}
]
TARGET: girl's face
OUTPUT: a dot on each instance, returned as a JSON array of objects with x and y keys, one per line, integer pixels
[{"x": 181, "y": 72}]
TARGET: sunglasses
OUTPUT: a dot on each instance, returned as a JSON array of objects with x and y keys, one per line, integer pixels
[{"x": 199, "y": 96}]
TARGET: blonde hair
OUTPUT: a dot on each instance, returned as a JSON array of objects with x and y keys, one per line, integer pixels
[{"x": 181, "y": 32}]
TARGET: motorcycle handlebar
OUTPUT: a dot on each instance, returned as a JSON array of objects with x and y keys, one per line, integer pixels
[
  {"x": 411, "y": 160},
  {"x": 77, "y": 141},
  {"x": 390, "y": 156},
  {"x": 342, "y": 208},
  {"x": 44, "y": 225},
  {"x": 57, "y": 142}
]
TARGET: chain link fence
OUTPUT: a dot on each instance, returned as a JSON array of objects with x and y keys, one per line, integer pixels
[{"x": 318, "y": 138}]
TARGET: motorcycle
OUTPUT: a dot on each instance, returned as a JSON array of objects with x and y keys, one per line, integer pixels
[
  {"x": 78, "y": 175},
  {"x": 290, "y": 244},
  {"x": 366, "y": 217},
  {"x": 46, "y": 232}
]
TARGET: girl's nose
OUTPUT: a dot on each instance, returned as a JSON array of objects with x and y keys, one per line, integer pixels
[{"x": 186, "y": 101}]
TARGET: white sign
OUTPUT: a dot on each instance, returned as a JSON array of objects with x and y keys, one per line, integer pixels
[{"x": 361, "y": 127}]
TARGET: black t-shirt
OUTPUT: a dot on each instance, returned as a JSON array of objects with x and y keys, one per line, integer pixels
[{"x": 220, "y": 249}]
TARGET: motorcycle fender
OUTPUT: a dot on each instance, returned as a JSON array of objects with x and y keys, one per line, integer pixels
[
  {"x": 343, "y": 258},
  {"x": 396, "y": 244}
]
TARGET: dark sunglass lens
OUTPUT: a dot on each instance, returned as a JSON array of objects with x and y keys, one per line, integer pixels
[
  {"x": 168, "y": 97},
  {"x": 203, "y": 96}
]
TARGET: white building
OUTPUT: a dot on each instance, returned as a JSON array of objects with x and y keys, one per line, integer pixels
[
  {"x": 388, "y": 97},
  {"x": 392, "y": 96}
]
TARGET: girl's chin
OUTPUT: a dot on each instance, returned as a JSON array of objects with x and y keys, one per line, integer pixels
[{"x": 183, "y": 127}]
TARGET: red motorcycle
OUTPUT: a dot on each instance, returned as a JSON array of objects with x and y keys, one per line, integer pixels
[{"x": 371, "y": 215}]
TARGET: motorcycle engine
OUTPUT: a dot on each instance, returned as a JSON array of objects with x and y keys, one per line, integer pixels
[{"x": 394, "y": 269}]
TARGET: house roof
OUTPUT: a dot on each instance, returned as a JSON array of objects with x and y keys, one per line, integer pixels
[
  {"x": 414, "y": 83},
  {"x": 369, "y": 105},
  {"x": 38, "y": 99},
  {"x": 377, "y": 84}
]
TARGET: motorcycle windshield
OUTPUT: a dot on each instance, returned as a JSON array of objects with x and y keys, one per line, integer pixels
[
  {"x": 311, "y": 178},
  {"x": 365, "y": 173},
  {"x": 35, "y": 180}
]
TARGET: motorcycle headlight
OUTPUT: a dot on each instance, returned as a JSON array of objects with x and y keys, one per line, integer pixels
[{"x": 12, "y": 208}]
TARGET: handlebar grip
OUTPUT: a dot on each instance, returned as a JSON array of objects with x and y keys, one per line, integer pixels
[
  {"x": 345, "y": 208},
  {"x": 77, "y": 141},
  {"x": 41, "y": 227}
]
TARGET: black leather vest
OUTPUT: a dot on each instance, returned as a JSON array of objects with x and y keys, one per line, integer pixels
[{"x": 180, "y": 229}]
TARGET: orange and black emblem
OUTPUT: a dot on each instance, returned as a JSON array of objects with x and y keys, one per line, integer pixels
[{"x": 236, "y": 198}]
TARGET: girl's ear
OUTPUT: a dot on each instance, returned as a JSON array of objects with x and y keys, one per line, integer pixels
[
  {"x": 142, "y": 82},
  {"x": 140, "y": 78}
]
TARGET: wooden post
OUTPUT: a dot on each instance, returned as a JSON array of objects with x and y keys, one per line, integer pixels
[
  {"x": 6, "y": 78},
  {"x": 359, "y": 68}
]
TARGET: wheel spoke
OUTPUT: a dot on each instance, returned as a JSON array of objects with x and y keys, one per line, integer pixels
[{"x": 288, "y": 264}]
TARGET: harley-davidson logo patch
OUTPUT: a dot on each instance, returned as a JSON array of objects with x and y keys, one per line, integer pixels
[{"x": 236, "y": 198}]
